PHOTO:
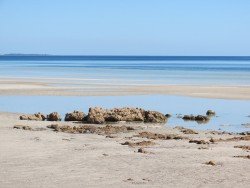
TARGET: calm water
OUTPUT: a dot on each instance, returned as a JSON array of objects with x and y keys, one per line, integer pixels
[
  {"x": 231, "y": 113},
  {"x": 135, "y": 70},
  {"x": 142, "y": 70}
]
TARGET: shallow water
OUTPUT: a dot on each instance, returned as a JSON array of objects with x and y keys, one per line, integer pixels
[
  {"x": 231, "y": 114},
  {"x": 147, "y": 70}
]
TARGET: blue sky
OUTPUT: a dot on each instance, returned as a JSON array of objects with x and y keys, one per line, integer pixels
[{"x": 125, "y": 27}]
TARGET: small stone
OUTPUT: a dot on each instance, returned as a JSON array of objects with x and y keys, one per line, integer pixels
[
  {"x": 141, "y": 150},
  {"x": 210, "y": 113},
  {"x": 212, "y": 163},
  {"x": 168, "y": 115}
]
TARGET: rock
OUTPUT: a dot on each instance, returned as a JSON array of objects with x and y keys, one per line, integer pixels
[
  {"x": 96, "y": 115},
  {"x": 198, "y": 141},
  {"x": 157, "y": 136},
  {"x": 154, "y": 117},
  {"x": 127, "y": 114},
  {"x": 24, "y": 127},
  {"x": 99, "y": 115},
  {"x": 203, "y": 147},
  {"x": 54, "y": 126},
  {"x": 141, "y": 144},
  {"x": 245, "y": 133},
  {"x": 141, "y": 150},
  {"x": 34, "y": 117},
  {"x": 186, "y": 131},
  {"x": 243, "y": 156},
  {"x": 168, "y": 115},
  {"x": 189, "y": 117},
  {"x": 210, "y": 163},
  {"x": 54, "y": 116},
  {"x": 210, "y": 113},
  {"x": 74, "y": 116},
  {"x": 199, "y": 118},
  {"x": 106, "y": 130}
]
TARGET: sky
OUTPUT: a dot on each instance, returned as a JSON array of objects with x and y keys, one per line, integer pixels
[{"x": 125, "y": 27}]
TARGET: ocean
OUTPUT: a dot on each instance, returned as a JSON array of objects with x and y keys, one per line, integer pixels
[
  {"x": 232, "y": 115},
  {"x": 132, "y": 69}
]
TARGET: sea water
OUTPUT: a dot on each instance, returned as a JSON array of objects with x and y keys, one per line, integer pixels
[
  {"x": 131, "y": 70},
  {"x": 232, "y": 115}
]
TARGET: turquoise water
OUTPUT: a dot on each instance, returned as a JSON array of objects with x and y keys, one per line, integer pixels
[
  {"x": 231, "y": 114},
  {"x": 192, "y": 70}
]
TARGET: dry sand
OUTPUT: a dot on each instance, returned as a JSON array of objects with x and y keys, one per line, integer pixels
[
  {"x": 80, "y": 87},
  {"x": 44, "y": 158}
]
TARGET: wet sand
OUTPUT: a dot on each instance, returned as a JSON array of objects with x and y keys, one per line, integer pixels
[
  {"x": 74, "y": 87},
  {"x": 45, "y": 158}
]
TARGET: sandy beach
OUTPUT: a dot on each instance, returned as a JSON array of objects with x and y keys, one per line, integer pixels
[
  {"x": 48, "y": 158},
  {"x": 43, "y": 157},
  {"x": 80, "y": 87},
  {"x": 124, "y": 94}
]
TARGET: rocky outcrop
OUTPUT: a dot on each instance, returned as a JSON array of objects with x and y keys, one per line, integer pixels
[
  {"x": 54, "y": 116},
  {"x": 74, "y": 116},
  {"x": 34, "y": 117},
  {"x": 99, "y": 115}
]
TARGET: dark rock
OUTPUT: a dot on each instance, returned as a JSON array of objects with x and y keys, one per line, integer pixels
[
  {"x": 198, "y": 118},
  {"x": 168, "y": 115},
  {"x": 198, "y": 141},
  {"x": 54, "y": 116},
  {"x": 210, "y": 113},
  {"x": 189, "y": 117},
  {"x": 74, "y": 116},
  {"x": 245, "y": 133},
  {"x": 201, "y": 118},
  {"x": 243, "y": 156},
  {"x": 141, "y": 150}
]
